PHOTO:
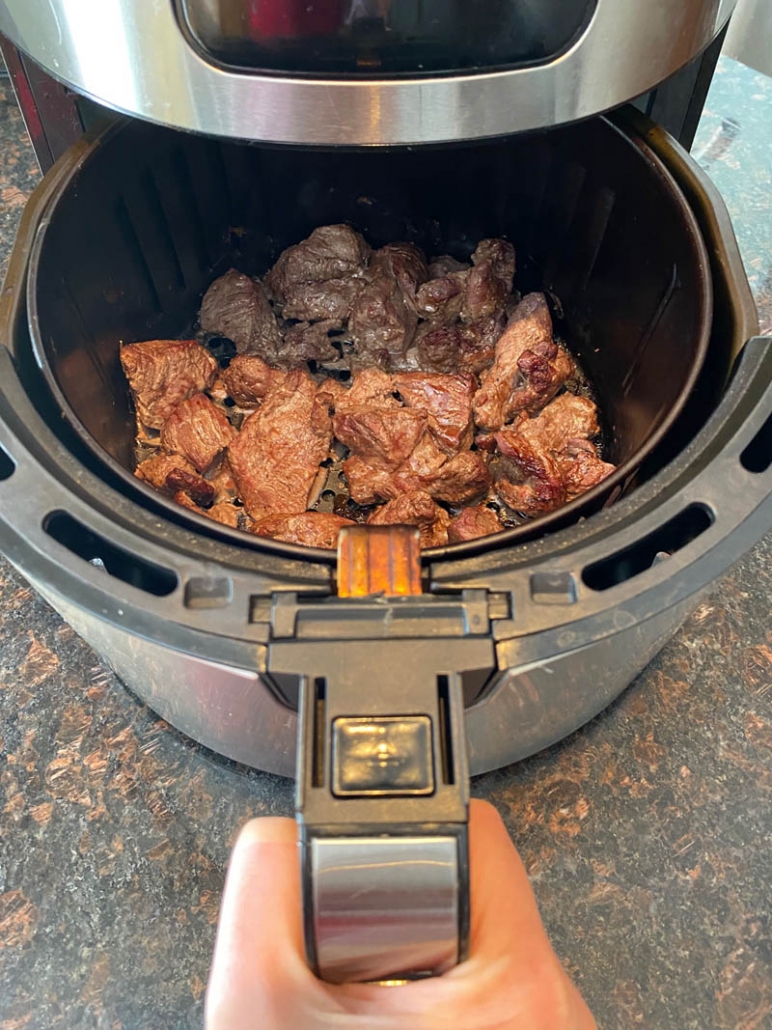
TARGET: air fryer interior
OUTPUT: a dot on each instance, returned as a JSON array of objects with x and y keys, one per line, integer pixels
[{"x": 151, "y": 216}]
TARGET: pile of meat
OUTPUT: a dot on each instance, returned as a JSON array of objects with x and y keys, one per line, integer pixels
[{"x": 359, "y": 385}]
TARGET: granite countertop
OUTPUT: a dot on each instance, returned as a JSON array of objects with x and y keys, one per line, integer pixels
[{"x": 646, "y": 833}]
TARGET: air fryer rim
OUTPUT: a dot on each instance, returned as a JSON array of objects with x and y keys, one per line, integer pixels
[{"x": 599, "y": 496}]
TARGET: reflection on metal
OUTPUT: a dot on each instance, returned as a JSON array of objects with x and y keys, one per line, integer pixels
[
  {"x": 368, "y": 890},
  {"x": 379, "y": 560},
  {"x": 135, "y": 58}
]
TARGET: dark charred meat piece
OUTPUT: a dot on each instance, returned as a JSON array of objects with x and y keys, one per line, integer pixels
[
  {"x": 222, "y": 512},
  {"x": 416, "y": 509},
  {"x": 382, "y": 437},
  {"x": 529, "y": 368},
  {"x": 441, "y": 300},
  {"x": 381, "y": 319},
  {"x": 448, "y": 401},
  {"x": 199, "y": 490},
  {"x": 198, "y": 430},
  {"x": 405, "y": 262},
  {"x": 276, "y": 455},
  {"x": 162, "y": 373},
  {"x": 331, "y": 300},
  {"x": 472, "y": 523},
  {"x": 308, "y": 341},
  {"x": 248, "y": 380},
  {"x": 330, "y": 252},
  {"x": 490, "y": 280},
  {"x": 311, "y": 528},
  {"x": 237, "y": 307},
  {"x": 443, "y": 265}
]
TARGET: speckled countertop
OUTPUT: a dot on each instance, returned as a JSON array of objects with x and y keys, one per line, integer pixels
[{"x": 647, "y": 833}]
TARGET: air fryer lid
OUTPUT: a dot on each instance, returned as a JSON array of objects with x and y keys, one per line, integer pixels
[{"x": 149, "y": 217}]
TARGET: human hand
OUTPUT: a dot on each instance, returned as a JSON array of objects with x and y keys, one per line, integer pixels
[{"x": 260, "y": 980}]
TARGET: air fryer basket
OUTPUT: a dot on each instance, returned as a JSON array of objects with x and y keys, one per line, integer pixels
[{"x": 139, "y": 229}]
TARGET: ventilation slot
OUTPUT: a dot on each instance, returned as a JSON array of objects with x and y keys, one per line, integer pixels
[
  {"x": 7, "y": 465},
  {"x": 657, "y": 546},
  {"x": 757, "y": 456},
  {"x": 317, "y": 757},
  {"x": 129, "y": 568},
  {"x": 446, "y": 735}
]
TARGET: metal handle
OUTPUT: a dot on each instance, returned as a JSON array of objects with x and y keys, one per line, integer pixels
[{"x": 383, "y": 787}]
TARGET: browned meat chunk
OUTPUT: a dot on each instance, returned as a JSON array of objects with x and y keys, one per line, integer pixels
[
  {"x": 198, "y": 489},
  {"x": 309, "y": 341},
  {"x": 248, "y": 380},
  {"x": 441, "y": 300},
  {"x": 221, "y": 512},
  {"x": 162, "y": 373},
  {"x": 312, "y": 528},
  {"x": 448, "y": 401},
  {"x": 198, "y": 430},
  {"x": 330, "y": 252},
  {"x": 490, "y": 280},
  {"x": 550, "y": 459},
  {"x": 443, "y": 265},
  {"x": 405, "y": 262},
  {"x": 529, "y": 368},
  {"x": 415, "y": 509},
  {"x": 237, "y": 307},
  {"x": 455, "y": 348},
  {"x": 472, "y": 523},
  {"x": 276, "y": 455},
  {"x": 223, "y": 483},
  {"x": 172, "y": 473},
  {"x": 331, "y": 300},
  {"x": 382, "y": 320},
  {"x": 527, "y": 480},
  {"x": 581, "y": 467},
  {"x": 370, "y": 388},
  {"x": 382, "y": 437},
  {"x": 463, "y": 479}
]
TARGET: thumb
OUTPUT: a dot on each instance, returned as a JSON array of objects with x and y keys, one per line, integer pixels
[{"x": 259, "y": 951}]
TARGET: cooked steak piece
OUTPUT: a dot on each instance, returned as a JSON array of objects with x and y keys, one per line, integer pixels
[
  {"x": 276, "y": 455},
  {"x": 405, "y": 262},
  {"x": 312, "y": 528},
  {"x": 529, "y": 368},
  {"x": 198, "y": 430},
  {"x": 443, "y": 265},
  {"x": 526, "y": 479},
  {"x": 162, "y": 373},
  {"x": 248, "y": 379},
  {"x": 223, "y": 483},
  {"x": 463, "y": 479},
  {"x": 472, "y": 523},
  {"x": 155, "y": 471},
  {"x": 382, "y": 320},
  {"x": 416, "y": 509},
  {"x": 370, "y": 388},
  {"x": 441, "y": 300},
  {"x": 490, "y": 280},
  {"x": 330, "y": 252},
  {"x": 582, "y": 468},
  {"x": 549, "y": 459},
  {"x": 331, "y": 300},
  {"x": 221, "y": 512},
  {"x": 308, "y": 341},
  {"x": 382, "y": 437},
  {"x": 458, "y": 347},
  {"x": 448, "y": 401},
  {"x": 198, "y": 489},
  {"x": 237, "y": 306}
]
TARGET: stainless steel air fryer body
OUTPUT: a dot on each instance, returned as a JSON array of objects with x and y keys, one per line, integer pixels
[{"x": 362, "y": 72}]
